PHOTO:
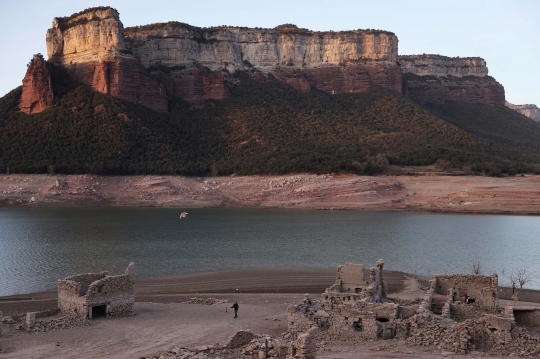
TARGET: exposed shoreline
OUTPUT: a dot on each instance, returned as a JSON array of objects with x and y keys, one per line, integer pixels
[
  {"x": 424, "y": 193},
  {"x": 221, "y": 283},
  {"x": 163, "y": 321}
]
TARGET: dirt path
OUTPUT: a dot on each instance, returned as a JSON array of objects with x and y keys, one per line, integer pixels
[
  {"x": 154, "y": 328},
  {"x": 458, "y": 194}
]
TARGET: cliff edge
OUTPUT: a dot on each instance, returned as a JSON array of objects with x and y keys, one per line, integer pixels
[
  {"x": 437, "y": 79},
  {"x": 529, "y": 110},
  {"x": 153, "y": 64},
  {"x": 90, "y": 44}
]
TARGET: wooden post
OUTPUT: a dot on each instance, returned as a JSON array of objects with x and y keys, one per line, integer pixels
[{"x": 266, "y": 349}]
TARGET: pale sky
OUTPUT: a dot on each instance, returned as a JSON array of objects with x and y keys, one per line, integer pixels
[{"x": 505, "y": 33}]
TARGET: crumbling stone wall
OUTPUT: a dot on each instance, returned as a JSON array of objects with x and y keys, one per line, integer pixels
[
  {"x": 80, "y": 293},
  {"x": 350, "y": 278},
  {"x": 351, "y": 287},
  {"x": 305, "y": 347},
  {"x": 460, "y": 312},
  {"x": 71, "y": 291},
  {"x": 483, "y": 289},
  {"x": 352, "y": 314},
  {"x": 364, "y": 321},
  {"x": 116, "y": 292}
]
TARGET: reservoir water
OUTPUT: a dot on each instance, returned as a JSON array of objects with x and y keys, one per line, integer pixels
[{"x": 39, "y": 246}]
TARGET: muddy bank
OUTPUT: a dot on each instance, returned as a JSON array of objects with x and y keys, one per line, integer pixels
[{"x": 450, "y": 194}]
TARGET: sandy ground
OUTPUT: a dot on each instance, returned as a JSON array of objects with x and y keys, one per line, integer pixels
[
  {"x": 162, "y": 322},
  {"x": 219, "y": 284},
  {"x": 459, "y": 194}
]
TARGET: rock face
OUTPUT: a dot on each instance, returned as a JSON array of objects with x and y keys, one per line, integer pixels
[
  {"x": 349, "y": 61},
  {"x": 531, "y": 111},
  {"x": 153, "y": 64},
  {"x": 441, "y": 66},
  {"x": 437, "y": 79},
  {"x": 37, "y": 91},
  {"x": 91, "y": 46}
]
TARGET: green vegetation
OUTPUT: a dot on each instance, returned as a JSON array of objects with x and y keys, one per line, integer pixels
[{"x": 264, "y": 128}]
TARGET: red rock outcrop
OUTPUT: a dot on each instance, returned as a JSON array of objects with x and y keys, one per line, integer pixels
[
  {"x": 123, "y": 78},
  {"x": 37, "y": 91},
  {"x": 424, "y": 90},
  {"x": 194, "y": 84},
  {"x": 437, "y": 79},
  {"x": 91, "y": 46},
  {"x": 349, "y": 78},
  {"x": 155, "y": 63}
]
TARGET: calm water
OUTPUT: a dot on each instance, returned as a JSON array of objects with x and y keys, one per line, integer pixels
[{"x": 39, "y": 246}]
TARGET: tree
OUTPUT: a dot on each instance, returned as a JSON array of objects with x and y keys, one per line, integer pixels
[
  {"x": 522, "y": 276},
  {"x": 513, "y": 282},
  {"x": 477, "y": 268}
]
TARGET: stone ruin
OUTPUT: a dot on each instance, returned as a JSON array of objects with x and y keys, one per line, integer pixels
[
  {"x": 94, "y": 295},
  {"x": 356, "y": 309},
  {"x": 353, "y": 309}
]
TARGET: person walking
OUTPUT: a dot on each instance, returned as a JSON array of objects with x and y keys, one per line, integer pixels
[{"x": 235, "y": 307}]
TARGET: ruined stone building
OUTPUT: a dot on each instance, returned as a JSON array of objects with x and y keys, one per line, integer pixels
[
  {"x": 356, "y": 309},
  {"x": 94, "y": 295},
  {"x": 353, "y": 308}
]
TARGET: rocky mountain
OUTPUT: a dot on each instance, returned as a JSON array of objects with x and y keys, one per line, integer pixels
[
  {"x": 91, "y": 46},
  {"x": 178, "y": 99},
  {"x": 154, "y": 64},
  {"x": 437, "y": 79},
  {"x": 531, "y": 111}
]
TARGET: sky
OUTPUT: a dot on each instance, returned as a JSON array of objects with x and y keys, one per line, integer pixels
[{"x": 505, "y": 33}]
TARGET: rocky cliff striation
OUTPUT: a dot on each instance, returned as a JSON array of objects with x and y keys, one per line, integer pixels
[
  {"x": 529, "y": 110},
  {"x": 153, "y": 64},
  {"x": 37, "y": 92},
  {"x": 437, "y": 79},
  {"x": 336, "y": 62},
  {"x": 91, "y": 46},
  {"x": 442, "y": 66}
]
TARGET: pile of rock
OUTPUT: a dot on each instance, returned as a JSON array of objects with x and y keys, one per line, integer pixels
[
  {"x": 205, "y": 301},
  {"x": 489, "y": 334},
  {"x": 45, "y": 325},
  {"x": 429, "y": 330},
  {"x": 8, "y": 320},
  {"x": 246, "y": 345}
]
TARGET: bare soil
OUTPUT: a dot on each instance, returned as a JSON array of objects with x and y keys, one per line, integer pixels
[
  {"x": 162, "y": 322},
  {"x": 431, "y": 193}
]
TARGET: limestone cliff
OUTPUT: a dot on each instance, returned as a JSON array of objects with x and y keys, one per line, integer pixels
[
  {"x": 90, "y": 45},
  {"x": 531, "y": 111},
  {"x": 437, "y": 79},
  {"x": 337, "y": 62},
  {"x": 440, "y": 66},
  {"x": 155, "y": 63},
  {"x": 37, "y": 91}
]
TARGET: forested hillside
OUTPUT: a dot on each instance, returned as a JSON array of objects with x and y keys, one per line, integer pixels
[{"x": 263, "y": 128}]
